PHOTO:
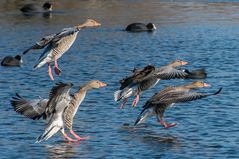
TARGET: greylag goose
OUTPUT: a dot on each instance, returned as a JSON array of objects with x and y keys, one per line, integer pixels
[
  {"x": 159, "y": 102},
  {"x": 57, "y": 44},
  {"x": 60, "y": 108},
  {"x": 143, "y": 79},
  {"x": 31, "y": 8},
  {"x": 12, "y": 61},
  {"x": 140, "y": 27}
]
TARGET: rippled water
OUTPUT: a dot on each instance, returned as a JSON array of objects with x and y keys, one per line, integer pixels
[{"x": 205, "y": 34}]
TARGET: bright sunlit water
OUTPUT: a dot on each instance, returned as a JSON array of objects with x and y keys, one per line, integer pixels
[{"x": 203, "y": 33}]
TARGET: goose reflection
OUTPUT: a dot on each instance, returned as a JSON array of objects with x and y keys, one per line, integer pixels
[
  {"x": 145, "y": 134},
  {"x": 61, "y": 151}
]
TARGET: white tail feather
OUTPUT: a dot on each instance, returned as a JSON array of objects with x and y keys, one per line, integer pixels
[
  {"x": 117, "y": 95},
  {"x": 49, "y": 132},
  {"x": 144, "y": 115}
]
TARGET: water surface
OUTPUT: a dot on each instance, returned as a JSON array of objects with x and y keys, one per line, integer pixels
[{"x": 203, "y": 33}]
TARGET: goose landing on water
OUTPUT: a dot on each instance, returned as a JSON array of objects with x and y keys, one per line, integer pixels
[
  {"x": 144, "y": 79},
  {"x": 60, "y": 108},
  {"x": 57, "y": 44},
  {"x": 159, "y": 102}
]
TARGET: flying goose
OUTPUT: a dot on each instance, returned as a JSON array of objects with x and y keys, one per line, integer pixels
[
  {"x": 60, "y": 109},
  {"x": 57, "y": 44},
  {"x": 143, "y": 79},
  {"x": 159, "y": 102}
]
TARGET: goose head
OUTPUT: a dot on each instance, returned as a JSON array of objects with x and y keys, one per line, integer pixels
[
  {"x": 178, "y": 63},
  {"x": 94, "y": 84},
  {"x": 198, "y": 84},
  {"x": 89, "y": 23}
]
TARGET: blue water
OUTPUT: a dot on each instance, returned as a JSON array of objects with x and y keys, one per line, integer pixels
[{"x": 203, "y": 33}]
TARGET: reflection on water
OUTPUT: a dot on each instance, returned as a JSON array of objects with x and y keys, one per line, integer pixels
[
  {"x": 47, "y": 15},
  {"x": 144, "y": 133},
  {"x": 62, "y": 150},
  {"x": 203, "y": 33}
]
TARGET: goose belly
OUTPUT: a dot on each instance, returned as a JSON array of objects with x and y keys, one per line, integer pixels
[
  {"x": 78, "y": 103},
  {"x": 127, "y": 92},
  {"x": 64, "y": 45}
]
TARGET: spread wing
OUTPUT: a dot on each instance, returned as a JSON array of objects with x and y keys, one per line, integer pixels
[
  {"x": 181, "y": 97},
  {"x": 41, "y": 44},
  {"x": 166, "y": 73},
  {"x": 59, "y": 97},
  {"x": 169, "y": 96},
  {"x": 33, "y": 109},
  {"x": 56, "y": 39},
  {"x": 53, "y": 38},
  {"x": 138, "y": 76}
]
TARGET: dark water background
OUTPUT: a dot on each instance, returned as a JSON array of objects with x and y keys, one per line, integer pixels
[{"x": 203, "y": 33}]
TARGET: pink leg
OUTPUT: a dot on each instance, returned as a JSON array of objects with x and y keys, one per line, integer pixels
[
  {"x": 78, "y": 137},
  {"x": 136, "y": 100},
  {"x": 122, "y": 105},
  {"x": 68, "y": 138},
  {"x": 49, "y": 72},
  {"x": 167, "y": 125},
  {"x": 56, "y": 67}
]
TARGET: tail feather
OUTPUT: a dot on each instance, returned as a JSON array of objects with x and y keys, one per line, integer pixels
[
  {"x": 40, "y": 64},
  {"x": 117, "y": 95},
  {"x": 145, "y": 113},
  {"x": 49, "y": 132}
]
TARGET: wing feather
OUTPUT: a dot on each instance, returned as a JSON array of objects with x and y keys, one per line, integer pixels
[
  {"x": 33, "y": 109},
  {"x": 56, "y": 39},
  {"x": 58, "y": 97},
  {"x": 166, "y": 73}
]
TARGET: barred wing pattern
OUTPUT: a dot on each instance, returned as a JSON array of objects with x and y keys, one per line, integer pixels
[
  {"x": 33, "y": 109},
  {"x": 166, "y": 73},
  {"x": 58, "y": 95}
]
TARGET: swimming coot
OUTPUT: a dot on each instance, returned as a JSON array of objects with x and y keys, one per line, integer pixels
[
  {"x": 138, "y": 27},
  {"x": 31, "y": 8},
  {"x": 12, "y": 61}
]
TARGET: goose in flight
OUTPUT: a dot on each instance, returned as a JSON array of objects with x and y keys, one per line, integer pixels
[
  {"x": 143, "y": 79},
  {"x": 57, "y": 44},
  {"x": 167, "y": 97},
  {"x": 60, "y": 108}
]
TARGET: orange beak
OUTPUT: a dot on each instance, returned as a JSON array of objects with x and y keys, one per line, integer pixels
[
  {"x": 206, "y": 85},
  {"x": 102, "y": 84},
  {"x": 97, "y": 24},
  {"x": 184, "y": 62}
]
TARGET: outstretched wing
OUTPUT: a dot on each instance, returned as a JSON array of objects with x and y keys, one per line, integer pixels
[
  {"x": 33, "y": 109},
  {"x": 181, "y": 97},
  {"x": 169, "y": 96},
  {"x": 166, "y": 73},
  {"x": 59, "y": 97},
  {"x": 54, "y": 42},
  {"x": 41, "y": 44},
  {"x": 138, "y": 76},
  {"x": 53, "y": 38}
]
